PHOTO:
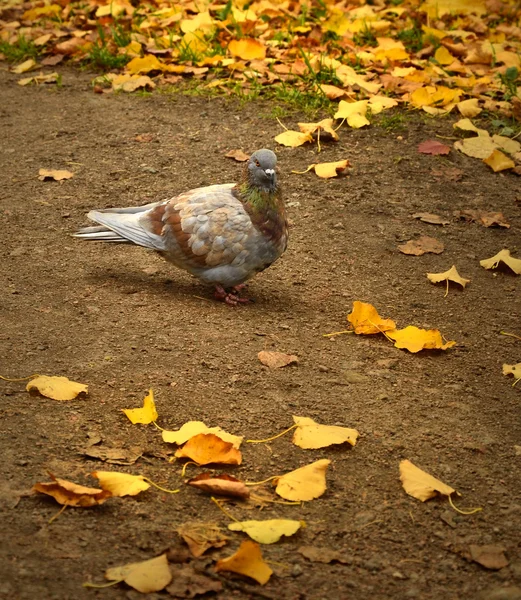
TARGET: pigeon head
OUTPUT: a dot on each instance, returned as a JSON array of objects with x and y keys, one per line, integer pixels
[{"x": 261, "y": 170}]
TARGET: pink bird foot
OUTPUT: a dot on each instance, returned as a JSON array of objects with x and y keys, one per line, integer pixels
[{"x": 232, "y": 298}]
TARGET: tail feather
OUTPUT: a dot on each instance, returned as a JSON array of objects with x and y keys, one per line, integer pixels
[{"x": 123, "y": 225}]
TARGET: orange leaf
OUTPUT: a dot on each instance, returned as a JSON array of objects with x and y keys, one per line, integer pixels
[
  {"x": 207, "y": 448},
  {"x": 247, "y": 561},
  {"x": 224, "y": 485},
  {"x": 72, "y": 494},
  {"x": 365, "y": 319}
]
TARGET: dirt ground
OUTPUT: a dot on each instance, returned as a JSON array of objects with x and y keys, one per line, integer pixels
[{"x": 122, "y": 320}]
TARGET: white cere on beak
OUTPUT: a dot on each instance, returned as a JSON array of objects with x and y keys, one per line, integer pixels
[{"x": 270, "y": 171}]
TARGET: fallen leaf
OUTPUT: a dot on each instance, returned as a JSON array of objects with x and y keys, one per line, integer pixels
[
  {"x": 145, "y": 415},
  {"x": 507, "y": 144},
  {"x": 269, "y": 531},
  {"x": 199, "y": 537},
  {"x": 148, "y": 63},
  {"x": 27, "y": 65},
  {"x": 57, "y": 388},
  {"x": 476, "y": 147},
  {"x": 144, "y": 138},
  {"x": 421, "y": 246},
  {"x": 121, "y": 484},
  {"x": 49, "y": 78},
  {"x": 207, "y": 448},
  {"x": 430, "y": 218},
  {"x": 469, "y": 108},
  {"x": 447, "y": 173},
  {"x": 353, "y": 112},
  {"x": 51, "y": 61},
  {"x": 415, "y": 339},
  {"x": 324, "y": 126},
  {"x": 488, "y": 219},
  {"x": 237, "y": 155},
  {"x": 55, "y": 174},
  {"x": 311, "y": 435},
  {"x": 306, "y": 483},
  {"x": 193, "y": 428},
  {"x": 421, "y": 485},
  {"x": 247, "y": 49},
  {"x": 276, "y": 360},
  {"x": 489, "y": 556},
  {"x": 450, "y": 275},
  {"x": 114, "y": 456},
  {"x": 468, "y": 125},
  {"x": 147, "y": 576},
  {"x": 498, "y": 161},
  {"x": 322, "y": 555},
  {"x": 222, "y": 485},
  {"x": 330, "y": 169},
  {"x": 365, "y": 319},
  {"x": 247, "y": 561},
  {"x": 433, "y": 147},
  {"x": 292, "y": 139},
  {"x": 514, "y": 370},
  {"x": 187, "y": 583},
  {"x": 504, "y": 257},
  {"x": 131, "y": 83},
  {"x": 332, "y": 91},
  {"x": 71, "y": 494}
]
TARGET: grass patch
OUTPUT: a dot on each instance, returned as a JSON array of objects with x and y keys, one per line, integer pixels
[
  {"x": 391, "y": 122},
  {"x": 101, "y": 57},
  {"x": 20, "y": 50}
]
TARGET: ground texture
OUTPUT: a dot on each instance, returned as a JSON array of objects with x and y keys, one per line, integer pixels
[{"x": 122, "y": 320}]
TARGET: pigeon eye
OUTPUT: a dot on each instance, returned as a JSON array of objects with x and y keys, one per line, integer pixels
[{"x": 257, "y": 163}]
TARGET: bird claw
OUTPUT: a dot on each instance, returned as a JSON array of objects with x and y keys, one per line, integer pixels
[{"x": 231, "y": 298}]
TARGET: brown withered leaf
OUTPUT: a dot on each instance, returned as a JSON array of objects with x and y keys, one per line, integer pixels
[
  {"x": 223, "y": 485},
  {"x": 114, "y": 456},
  {"x": 51, "y": 61},
  {"x": 200, "y": 536},
  {"x": 72, "y": 494},
  {"x": 489, "y": 556},
  {"x": 144, "y": 138},
  {"x": 421, "y": 246},
  {"x": 426, "y": 217},
  {"x": 237, "y": 155},
  {"x": 447, "y": 173},
  {"x": 187, "y": 583},
  {"x": 323, "y": 555},
  {"x": 433, "y": 147},
  {"x": 487, "y": 219},
  {"x": 276, "y": 360}
]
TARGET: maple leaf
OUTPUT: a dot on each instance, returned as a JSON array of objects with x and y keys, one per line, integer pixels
[
  {"x": 421, "y": 485},
  {"x": 247, "y": 561},
  {"x": 145, "y": 415},
  {"x": 57, "y": 388}
]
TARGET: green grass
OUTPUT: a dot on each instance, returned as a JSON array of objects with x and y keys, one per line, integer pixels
[
  {"x": 392, "y": 121},
  {"x": 411, "y": 38},
  {"x": 100, "y": 57},
  {"x": 19, "y": 51}
]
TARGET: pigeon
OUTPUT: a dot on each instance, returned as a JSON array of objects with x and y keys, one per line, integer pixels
[{"x": 222, "y": 234}]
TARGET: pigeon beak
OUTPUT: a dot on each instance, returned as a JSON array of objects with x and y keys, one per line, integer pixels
[{"x": 270, "y": 173}]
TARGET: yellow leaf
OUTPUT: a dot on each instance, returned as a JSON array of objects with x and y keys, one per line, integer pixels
[
  {"x": 330, "y": 169},
  {"x": 56, "y": 174},
  {"x": 476, "y": 147},
  {"x": 365, "y": 319},
  {"x": 130, "y": 83},
  {"x": 144, "y": 65},
  {"x": 514, "y": 370},
  {"x": 443, "y": 56},
  {"x": 71, "y": 494},
  {"x": 51, "y": 10},
  {"x": 146, "y": 577},
  {"x": 324, "y": 125},
  {"x": 193, "y": 428},
  {"x": 42, "y": 39},
  {"x": 121, "y": 484},
  {"x": 246, "y": 561},
  {"x": 311, "y": 435},
  {"x": 349, "y": 77},
  {"x": 380, "y": 103},
  {"x": 498, "y": 161},
  {"x": 306, "y": 483},
  {"x": 193, "y": 40},
  {"x": 468, "y": 125},
  {"x": 434, "y": 95},
  {"x": 144, "y": 415},
  {"x": 435, "y": 9},
  {"x": 469, "y": 108},
  {"x": 505, "y": 257},
  {"x": 269, "y": 531},
  {"x": 421, "y": 485},
  {"x": 133, "y": 49},
  {"x": 207, "y": 448},
  {"x": 450, "y": 275},
  {"x": 247, "y": 49},
  {"x": 112, "y": 9},
  {"x": 292, "y": 139},
  {"x": 202, "y": 21},
  {"x": 422, "y": 96},
  {"x": 415, "y": 339},
  {"x": 24, "y": 67},
  {"x": 348, "y": 109},
  {"x": 507, "y": 144},
  {"x": 57, "y": 388}
]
